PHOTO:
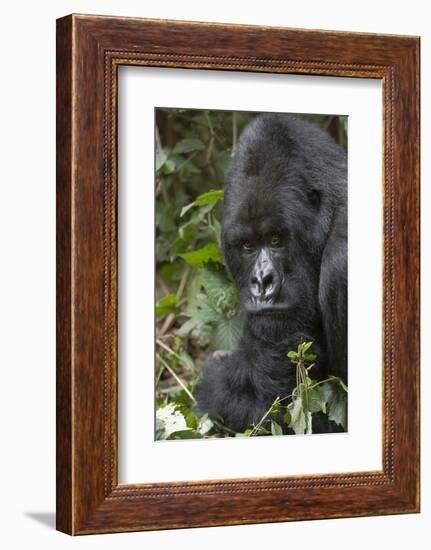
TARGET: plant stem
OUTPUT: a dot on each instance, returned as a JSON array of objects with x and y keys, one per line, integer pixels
[
  {"x": 222, "y": 427},
  {"x": 211, "y": 130},
  {"x": 171, "y": 317},
  {"x": 185, "y": 161},
  {"x": 169, "y": 350},
  {"x": 320, "y": 382},
  {"x": 183, "y": 282},
  {"x": 264, "y": 417},
  {"x": 177, "y": 378},
  {"x": 158, "y": 140}
]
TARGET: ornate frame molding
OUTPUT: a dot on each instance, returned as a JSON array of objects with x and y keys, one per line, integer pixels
[{"x": 89, "y": 498}]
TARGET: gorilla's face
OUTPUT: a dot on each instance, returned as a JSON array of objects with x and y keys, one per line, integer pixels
[{"x": 267, "y": 255}]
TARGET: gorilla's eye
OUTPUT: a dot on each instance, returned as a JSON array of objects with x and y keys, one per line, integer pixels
[
  {"x": 275, "y": 240},
  {"x": 247, "y": 246}
]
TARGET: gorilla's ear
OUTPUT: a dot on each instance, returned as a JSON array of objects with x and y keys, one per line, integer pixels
[{"x": 333, "y": 294}]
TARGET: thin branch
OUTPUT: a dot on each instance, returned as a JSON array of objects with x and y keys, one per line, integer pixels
[
  {"x": 264, "y": 417},
  {"x": 185, "y": 161},
  {"x": 171, "y": 317},
  {"x": 165, "y": 288},
  {"x": 209, "y": 151},
  {"x": 183, "y": 283},
  {"x": 158, "y": 140},
  {"x": 199, "y": 123},
  {"x": 166, "y": 325},
  {"x": 159, "y": 187},
  {"x": 209, "y": 123},
  {"x": 168, "y": 349},
  {"x": 177, "y": 378},
  {"x": 222, "y": 427}
]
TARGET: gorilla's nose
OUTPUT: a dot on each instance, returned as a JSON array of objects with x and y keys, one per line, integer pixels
[{"x": 264, "y": 281}]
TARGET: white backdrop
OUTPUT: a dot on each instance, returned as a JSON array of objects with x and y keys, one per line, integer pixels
[{"x": 27, "y": 240}]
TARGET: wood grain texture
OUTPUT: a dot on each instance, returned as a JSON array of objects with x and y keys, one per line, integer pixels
[
  {"x": 64, "y": 496},
  {"x": 90, "y": 49}
]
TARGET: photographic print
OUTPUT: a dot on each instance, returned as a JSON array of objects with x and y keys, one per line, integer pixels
[{"x": 251, "y": 274}]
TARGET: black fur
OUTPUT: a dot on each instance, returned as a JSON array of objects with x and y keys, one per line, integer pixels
[{"x": 284, "y": 239}]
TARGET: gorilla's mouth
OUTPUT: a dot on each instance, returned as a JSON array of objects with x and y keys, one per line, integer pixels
[{"x": 262, "y": 308}]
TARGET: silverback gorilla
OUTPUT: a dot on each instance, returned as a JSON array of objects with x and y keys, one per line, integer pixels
[{"x": 284, "y": 240}]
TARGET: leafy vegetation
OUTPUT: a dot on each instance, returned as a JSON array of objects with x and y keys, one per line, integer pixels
[{"x": 197, "y": 305}]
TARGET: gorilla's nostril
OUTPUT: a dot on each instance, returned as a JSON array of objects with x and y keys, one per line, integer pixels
[
  {"x": 267, "y": 281},
  {"x": 256, "y": 286},
  {"x": 263, "y": 284}
]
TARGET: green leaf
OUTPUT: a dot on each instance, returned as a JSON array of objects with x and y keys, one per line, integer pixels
[
  {"x": 184, "y": 403},
  {"x": 204, "y": 310},
  {"x": 186, "y": 434},
  {"x": 199, "y": 257},
  {"x": 200, "y": 323},
  {"x": 287, "y": 417},
  {"x": 195, "y": 219},
  {"x": 172, "y": 272},
  {"x": 213, "y": 308},
  {"x": 263, "y": 431},
  {"x": 205, "y": 199},
  {"x": 300, "y": 417},
  {"x": 338, "y": 380},
  {"x": 160, "y": 429},
  {"x": 165, "y": 218},
  {"x": 205, "y": 424},
  {"x": 169, "y": 166},
  {"x": 168, "y": 421},
  {"x": 166, "y": 305},
  {"x": 186, "y": 208},
  {"x": 298, "y": 422},
  {"x": 213, "y": 276},
  {"x": 161, "y": 158},
  {"x": 188, "y": 167},
  {"x": 276, "y": 428},
  {"x": 305, "y": 347},
  {"x": 189, "y": 326},
  {"x": 335, "y": 396},
  {"x": 210, "y": 197},
  {"x": 191, "y": 418},
  {"x": 226, "y": 334},
  {"x": 275, "y": 409},
  {"x": 186, "y": 360},
  {"x": 188, "y": 145},
  {"x": 315, "y": 401},
  {"x": 219, "y": 292}
]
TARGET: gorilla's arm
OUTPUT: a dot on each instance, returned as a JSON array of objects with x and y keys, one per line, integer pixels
[
  {"x": 238, "y": 388},
  {"x": 333, "y": 295},
  {"x": 227, "y": 393}
]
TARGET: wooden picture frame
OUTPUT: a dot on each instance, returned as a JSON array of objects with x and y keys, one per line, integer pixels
[{"x": 89, "y": 51}]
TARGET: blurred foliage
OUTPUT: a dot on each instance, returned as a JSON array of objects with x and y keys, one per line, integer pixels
[{"x": 196, "y": 303}]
